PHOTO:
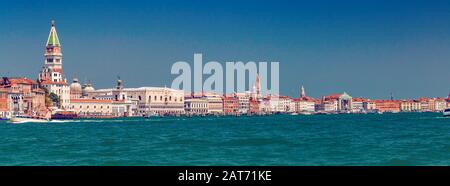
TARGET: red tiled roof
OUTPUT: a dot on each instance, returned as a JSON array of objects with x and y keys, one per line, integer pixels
[
  {"x": 333, "y": 96},
  {"x": 20, "y": 81},
  {"x": 360, "y": 99},
  {"x": 90, "y": 101},
  {"x": 386, "y": 101},
  {"x": 306, "y": 98},
  {"x": 284, "y": 97},
  {"x": 440, "y": 99}
]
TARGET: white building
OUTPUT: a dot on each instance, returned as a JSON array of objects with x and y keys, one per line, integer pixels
[
  {"x": 292, "y": 106},
  {"x": 150, "y": 100},
  {"x": 96, "y": 108},
  {"x": 114, "y": 104},
  {"x": 328, "y": 106},
  {"x": 358, "y": 105},
  {"x": 440, "y": 104},
  {"x": 215, "y": 103},
  {"x": 196, "y": 105},
  {"x": 304, "y": 103},
  {"x": 284, "y": 104},
  {"x": 243, "y": 101}
]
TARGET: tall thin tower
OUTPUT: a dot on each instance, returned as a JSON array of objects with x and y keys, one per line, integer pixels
[
  {"x": 51, "y": 76},
  {"x": 302, "y": 92}
]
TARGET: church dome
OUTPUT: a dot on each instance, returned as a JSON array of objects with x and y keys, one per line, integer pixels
[
  {"x": 88, "y": 88},
  {"x": 75, "y": 87}
]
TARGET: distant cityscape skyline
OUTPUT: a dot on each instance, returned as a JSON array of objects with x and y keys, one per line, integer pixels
[{"x": 403, "y": 51}]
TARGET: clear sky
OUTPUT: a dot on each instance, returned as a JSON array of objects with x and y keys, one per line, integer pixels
[{"x": 367, "y": 48}]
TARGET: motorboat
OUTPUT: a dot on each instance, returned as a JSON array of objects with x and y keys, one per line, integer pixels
[
  {"x": 446, "y": 112},
  {"x": 27, "y": 119}
]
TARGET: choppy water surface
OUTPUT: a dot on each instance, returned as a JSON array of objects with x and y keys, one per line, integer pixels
[{"x": 388, "y": 139}]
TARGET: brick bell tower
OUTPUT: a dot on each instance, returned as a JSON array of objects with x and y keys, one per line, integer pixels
[{"x": 51, "y": 76}]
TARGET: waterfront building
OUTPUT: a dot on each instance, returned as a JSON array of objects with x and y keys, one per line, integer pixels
[
  {"x": 284, "y": 104},
  {"x": 101, "y": 108},
  {"x": 304, "y": 103},
  {"x": 410, "y": 106},
  {"x": 51, "y": 76},
  {"x": 358, "y": 104},
  {"x": 253, "y": 104},
  {"x": 318, "y": 105},
  {"x": 4, "y": 112},
  {"x": 195, "y": 105},
  {"x": 426, "y": 104},
  {"x": 369, "y": 105},
  {"x": 277, "y": 104},
  {"x": 272, "y": 104},
  {"x": 244, "y": 101},
  {"x": 264, "y": 104},
  {"x": 115, "y": 103},
  {"x": 24, "y": 97},
  {"x": 215, "y": 103},
  {"x": 440, "y": 104},
  {"x": 388, "y": 105},
  {"x": 91, "y": 107},
  {"x": 292, "y": 106},
  {"x": 329, "y": 106},
  {"x": 230, "y": 104},
  {"x": 344, "y": 101},
  {"x": 150, "y": 100}
]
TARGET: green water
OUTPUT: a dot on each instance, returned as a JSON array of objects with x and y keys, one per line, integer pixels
[{"x": 388, "y": 139}]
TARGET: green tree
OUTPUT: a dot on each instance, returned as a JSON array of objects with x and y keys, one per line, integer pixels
[
  {"x": 48, "y": 101},
  {"x": 55, "y": 99}
]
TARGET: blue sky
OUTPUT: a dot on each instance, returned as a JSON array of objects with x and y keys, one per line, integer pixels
[{"x": 367, "y": 48}]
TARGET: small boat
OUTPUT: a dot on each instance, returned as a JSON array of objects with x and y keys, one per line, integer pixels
[
  {"x": 305, "y": 113},
  {"x": 151, "y": 114},
  {"x": 4, "y": 118},
  {"x": 446, "y": 112},
  {"x": 27, "y": 119},
  {"x": 65, "y": 115},
  {"x": 294, "y": 114}
]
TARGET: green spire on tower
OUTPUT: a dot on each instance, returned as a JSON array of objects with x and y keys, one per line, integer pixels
[{"x": 53, "y": 36}]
